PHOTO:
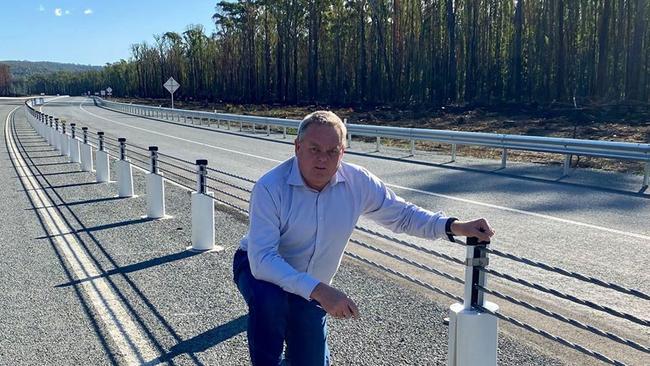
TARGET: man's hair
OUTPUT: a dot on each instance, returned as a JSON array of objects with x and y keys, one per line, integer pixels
[{"x": 322, "y": 118}]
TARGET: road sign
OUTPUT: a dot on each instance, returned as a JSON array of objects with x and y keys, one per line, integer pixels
[
  {"x": 102, "y": 93},
  {"x": 109, "y": 90},
  {"x": 171, "y": 85}
]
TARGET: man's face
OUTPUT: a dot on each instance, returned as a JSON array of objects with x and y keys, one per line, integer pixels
[{"x": 319, "y": 155}]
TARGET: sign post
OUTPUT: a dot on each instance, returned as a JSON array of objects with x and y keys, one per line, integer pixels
[
  {"x": 171, "y": 85},
  {"x": 109, "y": 91}
]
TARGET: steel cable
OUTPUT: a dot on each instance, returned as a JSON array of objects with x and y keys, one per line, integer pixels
[
  {"x": 228, "y": 194},
  {"x": 575, "y": 275},
  {"x": 562, "y": 318},
  {"x": 232, "y": 175},
  {"x": 230, "y": 184},
  {"x": 410, "y": 245},
  {"x": 177, "y": 167},
  {"x": 405, "y": 276},
  {"x": 553, "y": 337},
  {"x": 229, "y": 204},
  {"x": 175, "y": 158},
  {"x": 409, "y": 261},
  {"x": 565, "y": 296}
]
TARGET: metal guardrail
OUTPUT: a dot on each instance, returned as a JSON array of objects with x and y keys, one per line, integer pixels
[
  {"x": 565, "y": 146},
  {"x": 476, "y": 262}
]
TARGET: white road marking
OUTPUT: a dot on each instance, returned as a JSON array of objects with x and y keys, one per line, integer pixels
[
  {"x": 179, "y": 138},
  {"x": 131, "y": 344},
  {"x": 439, "y": 195}
]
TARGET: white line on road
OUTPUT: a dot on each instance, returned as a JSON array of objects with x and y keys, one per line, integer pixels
[
  {"x": 121, "y": 328},
  {"x": 439, "y": 195}
]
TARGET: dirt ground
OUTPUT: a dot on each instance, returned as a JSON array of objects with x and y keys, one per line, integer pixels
[{"x": 611, "y": 122}]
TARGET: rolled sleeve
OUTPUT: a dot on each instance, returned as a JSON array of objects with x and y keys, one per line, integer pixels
[{"x": 263, "y": 241}]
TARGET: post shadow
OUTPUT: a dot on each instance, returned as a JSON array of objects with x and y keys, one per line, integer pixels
[
  {"x": 135, "y": 267},
  {"x": 207, "y": 339}
]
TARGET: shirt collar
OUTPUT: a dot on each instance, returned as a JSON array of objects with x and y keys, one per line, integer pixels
[{"x": 295, "y": 178}]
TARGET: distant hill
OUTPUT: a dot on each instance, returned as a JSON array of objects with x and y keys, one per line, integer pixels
[{"x": 23, "y": 69}]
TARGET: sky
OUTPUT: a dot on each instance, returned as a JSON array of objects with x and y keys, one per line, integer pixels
[{"x": 92, "y": 32}]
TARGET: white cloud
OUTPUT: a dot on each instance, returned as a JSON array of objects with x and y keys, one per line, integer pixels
[
  {"x": 88, "y": 11},
  {"x": 41, "y": 8},
  {"x": 67, "y": 12},
  {"x": 58, "y": 12}
]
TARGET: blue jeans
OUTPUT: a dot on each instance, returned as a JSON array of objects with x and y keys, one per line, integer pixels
[{"x": 275, "y": 317}]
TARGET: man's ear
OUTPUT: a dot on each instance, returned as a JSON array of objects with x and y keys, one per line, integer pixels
[{"x": 296, "y": 145}]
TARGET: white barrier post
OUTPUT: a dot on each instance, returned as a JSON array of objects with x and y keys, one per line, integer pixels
[
  {"x": 50, "y": 131},
  {"x": 65, "y": 142},
  {"x": 155, "y": 188},
  {"x": 44, "y": 126},
  {"x": 74, "y": 144},
  {"x": 103, "y": 172},
  {"x": 86, "y": 153},
  {"x": 473, "y": 333},
  {"x": 57, "y": 135},
  {"x": 124, "y": 172},
  {"x": 202, "y": 213}
]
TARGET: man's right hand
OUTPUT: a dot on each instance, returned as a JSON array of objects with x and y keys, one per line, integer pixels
[{"x": 335, "y": 302}]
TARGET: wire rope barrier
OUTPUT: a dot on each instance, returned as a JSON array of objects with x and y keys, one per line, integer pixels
[
  {"x": 569, "y": 297},
  {"x": 571, "y": 274},
  {"x": 552, "y": 337},
  {"x": 567, "y": 320}
]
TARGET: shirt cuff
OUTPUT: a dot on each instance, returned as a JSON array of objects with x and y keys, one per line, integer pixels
[
  {"x": 439, "y": 227},
  {"x": 307, "y": 286}
]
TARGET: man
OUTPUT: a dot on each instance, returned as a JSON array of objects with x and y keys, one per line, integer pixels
[{"x": 302, "y": 214}]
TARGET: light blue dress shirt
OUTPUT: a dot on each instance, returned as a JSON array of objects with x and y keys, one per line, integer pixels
[{"x": 297, "y": 235}]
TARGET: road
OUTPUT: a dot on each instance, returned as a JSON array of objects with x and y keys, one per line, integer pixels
[{"x": 592, "y": 222}]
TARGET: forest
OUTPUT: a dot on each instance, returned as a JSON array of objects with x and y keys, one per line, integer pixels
[{"x": 401, "y": 53}]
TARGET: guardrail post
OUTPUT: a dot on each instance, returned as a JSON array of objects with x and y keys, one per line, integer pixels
[
  {"x": 453, "y": 152},
  {"x": 86, "y": 152},
  {"x": 75, "y": 156},
  {"x": 349, "y": 136},
  {"x": 646, "y": 173},
  {"x": 103, "y": 172},
  {"x": 124, "y": 172},
  {"x": 202, "y": 212},
  {"x": 473, "y": 333},
  {"x": 268, "y": 130},
  {"x": 378, "y": 142},
  {"x": 504, "y": 158},
  {"x": 155, "y": 188},
  {"x": 284, "y": 132},
  {"x": 65, "y": 141},
  {"x": 567, "y": 164},
  {"x": 412, "y": 147},
  {"x": 241, "y": 126}
]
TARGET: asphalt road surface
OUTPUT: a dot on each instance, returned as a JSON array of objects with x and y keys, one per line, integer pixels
[{"x": 591, "y": 222}]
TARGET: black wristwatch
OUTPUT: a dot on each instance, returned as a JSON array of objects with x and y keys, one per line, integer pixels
[{"x": 450, "y": 234}]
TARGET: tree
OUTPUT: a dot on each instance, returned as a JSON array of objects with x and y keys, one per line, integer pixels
[{"x": 5, "y": 79}]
